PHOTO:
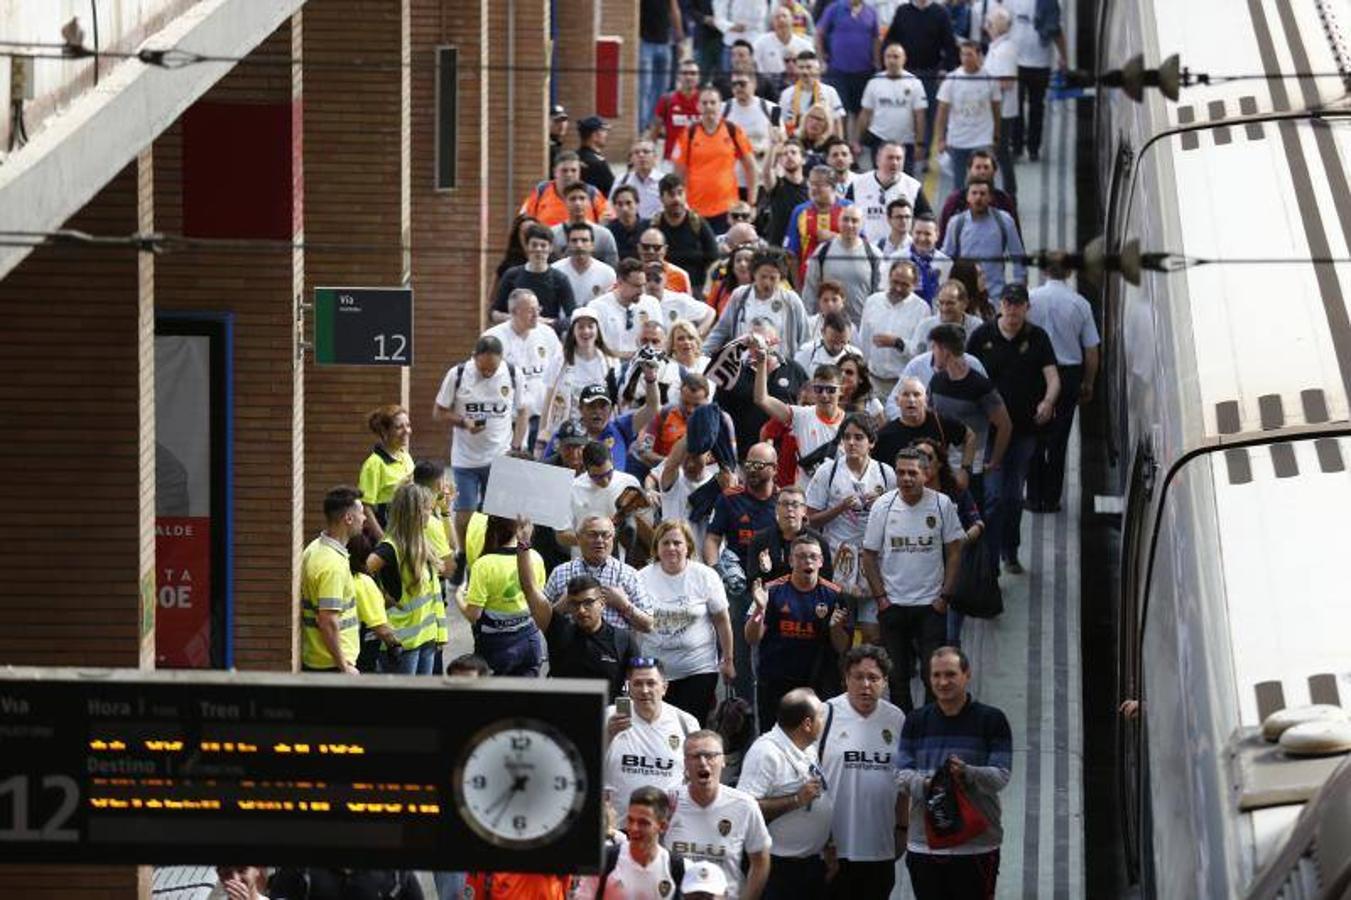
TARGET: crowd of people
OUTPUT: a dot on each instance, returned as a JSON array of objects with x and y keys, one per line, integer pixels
[{"x": 802, "y": 403}]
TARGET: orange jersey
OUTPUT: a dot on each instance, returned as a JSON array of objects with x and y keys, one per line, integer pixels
[
  {"x": 544, "y": 204},
  {"x": 516, "y": 886},
  {"x": 677, "y": 279},
  {"x": 710, "y": 162}
]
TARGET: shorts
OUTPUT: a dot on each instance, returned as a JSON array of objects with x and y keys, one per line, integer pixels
[{"x": 471, "y": 486}]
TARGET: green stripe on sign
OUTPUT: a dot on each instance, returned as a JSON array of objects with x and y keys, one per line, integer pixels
[{"x": 325, "y": 325}]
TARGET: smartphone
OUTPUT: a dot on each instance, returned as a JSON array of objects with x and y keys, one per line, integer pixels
[{"x": 624, "y": 706}]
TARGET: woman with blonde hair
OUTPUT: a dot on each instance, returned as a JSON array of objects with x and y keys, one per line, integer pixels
[
  {"x": 818, "y": 127},
  {"x": 405, "y": 567},
  {"x": 388, "y": 465},
  {"x": 685, "y": 347},
  {"x": 691, "y": 625}
]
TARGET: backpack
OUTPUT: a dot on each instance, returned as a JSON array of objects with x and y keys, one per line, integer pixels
[
  {"x": 874, "y": 259},
  {"x": 834, "y": 467},
  {"x": 732, "y": 132},
  {"x": 612, "y": 852},
  {"x": 459, "y": 377},
  {"x": 965, "y": 215}
]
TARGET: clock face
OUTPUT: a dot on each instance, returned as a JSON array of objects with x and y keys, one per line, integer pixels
[{"x": 519, "y": 784}]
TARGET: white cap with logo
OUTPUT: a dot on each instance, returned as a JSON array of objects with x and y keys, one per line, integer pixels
[{"x": 704, "y": 878}]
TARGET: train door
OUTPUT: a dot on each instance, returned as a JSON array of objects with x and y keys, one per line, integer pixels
[{"x": 1130, "y": 738}]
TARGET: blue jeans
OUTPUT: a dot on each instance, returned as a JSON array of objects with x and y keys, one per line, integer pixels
[
  {"x": 1003, "y": 487},
  {"x": 418, "y": 661},
  {"x": 961, "y": 158},
  {"x": 654, "y": 63}
]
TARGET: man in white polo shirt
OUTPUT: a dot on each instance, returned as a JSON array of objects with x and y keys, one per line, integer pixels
[
  {"x": 857, "y": 751},
  {"x": 645, "y": 745},
  {"x": 528, "y": 344},
  {"x": 713, "y": 823},
  {"x": 781, "y": 772},
  {"x": 623, "y": 311}
]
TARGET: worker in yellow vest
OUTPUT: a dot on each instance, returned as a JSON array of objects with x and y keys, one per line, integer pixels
[
  {"x": 404, "y": 565},
  {"x": 330, "y": 631},
  {"x": 442, "y": 540}
]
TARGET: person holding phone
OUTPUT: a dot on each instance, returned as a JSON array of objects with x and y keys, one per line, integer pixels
[{"x": 646, "y": 735}]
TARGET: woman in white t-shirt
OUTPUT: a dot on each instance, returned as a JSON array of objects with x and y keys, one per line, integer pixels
[
  {"x": 585, "y": 360},
  {"x": 690, "y": 620},
  {"x": 838, "y": 499},
  {"x": 685, "y": 347}
]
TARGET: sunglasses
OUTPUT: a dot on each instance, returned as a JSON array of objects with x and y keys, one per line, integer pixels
[
  {"x": 628, "y": 317},
  {"x": 755, "y": 465},
  {"x": 826, "y": 388},
  {"x": 602, "y": 476}
]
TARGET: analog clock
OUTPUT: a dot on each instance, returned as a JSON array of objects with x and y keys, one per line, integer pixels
[{"x": 519, "y": 783}]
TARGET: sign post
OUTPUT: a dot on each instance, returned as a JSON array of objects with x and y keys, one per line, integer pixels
[{"x": 363, "y": 326}]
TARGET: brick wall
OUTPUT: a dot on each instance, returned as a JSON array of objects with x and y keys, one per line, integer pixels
[
  {"x": 355, "y": 129},
  {"x": 74, "y": 361},
  {"x": 620, "y": 18},
  {"x": 518, "y": 101},
  {"x": 449, "y": 228},
  {"x": 575, "y": 55},
  {"x": 259, "y": 286}
]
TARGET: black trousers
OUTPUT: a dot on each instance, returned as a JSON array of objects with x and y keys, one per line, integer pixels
[
  {"x": 1046, "y": 475},
  {"x": 1032, "y": 84},
  {"x": 910, "y": 634},
  {"x": 796, "y": 878},
  {"x": 870, "y": 880},
  {"x": 694, "y": 694},
  {"x": 965, "y": 877}
]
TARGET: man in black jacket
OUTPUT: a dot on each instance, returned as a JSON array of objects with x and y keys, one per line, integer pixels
[{"x": 924, "y": 29}]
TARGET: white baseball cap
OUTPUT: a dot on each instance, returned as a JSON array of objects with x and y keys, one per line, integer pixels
[{"x": 704, "y": 878}]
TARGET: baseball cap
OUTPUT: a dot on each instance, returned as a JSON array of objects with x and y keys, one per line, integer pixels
[
  {"x": 571, "y": 432},
  {"x": 1014, "y": 293},
  {"x": 584, "y": 312},
  {"x": 704, "y": 878},
  {"x": 590, "y": 124},
  {"x": 593, "y": 392},
  {"x": 558, "y": 112}
]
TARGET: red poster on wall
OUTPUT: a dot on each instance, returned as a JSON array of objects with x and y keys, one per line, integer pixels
[
  {"x": 183, "y": 612},
  {"x": 183, "y": 591}
]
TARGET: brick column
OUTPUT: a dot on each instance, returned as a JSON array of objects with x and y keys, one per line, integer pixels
[
  {"x": 620, "y": 18},
  {"x": 76, "y": 387},
  {"x": 211, "y": 184},
  {"x": 575, "y": 55},
  {"x": 355, "y": 192},
  {"x": 518, "y": 101},
  {"x": 451, "y": 262}
]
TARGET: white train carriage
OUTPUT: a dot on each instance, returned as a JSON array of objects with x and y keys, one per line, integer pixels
[{"x": 1229, "y": 385}]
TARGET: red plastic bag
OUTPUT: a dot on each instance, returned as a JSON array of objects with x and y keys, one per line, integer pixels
[{"x": 950, "y": 818}]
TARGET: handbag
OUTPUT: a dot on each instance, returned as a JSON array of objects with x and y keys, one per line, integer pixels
[
  {"x": 977, "y": 592},
  {"x": 950, "y": 818}
]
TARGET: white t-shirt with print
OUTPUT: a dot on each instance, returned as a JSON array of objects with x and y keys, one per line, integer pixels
[
  {"x": 894, "y": 102},
  {"x": 491, "y": 400},
  {"x": 648, "y": 753},
  {"x": 909, "y": 542},
  {"x": 531, "y": 354},
  {"x": 683, "y": 606},
  {"x": 598, "y": 278},
  {"x": 566, "y": 380},
  {"x": 675, "y": 501},
  {"x": 678, "y": 305},
  {"x": 620, "y": 329},
  {"x": 864, "y": 785},
  {"x": 828, "y": 488},
  {"x": 776, "y": 767},
  {"x": 970, "y": 117},
  {"x": 589, "y": 499},
  {"x": 811, "y": 432},
  {"x": 698, "y": 834},
  {"x": 774, "y": 311},
  {"x": 631, "y": 881},
  {"x": 770, "y": 52}
]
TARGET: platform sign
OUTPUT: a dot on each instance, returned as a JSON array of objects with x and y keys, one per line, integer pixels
[
  {"x": 363, "y": 326},
  {"x": 123, "y": 766}
]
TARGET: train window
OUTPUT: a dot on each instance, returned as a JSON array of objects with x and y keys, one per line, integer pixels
[
  {"x": 1118, "y": 203},
  {"x": 1135, "y": 556}
]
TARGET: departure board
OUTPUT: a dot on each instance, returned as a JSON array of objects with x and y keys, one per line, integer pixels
[{"x": 123, "y": 766}]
